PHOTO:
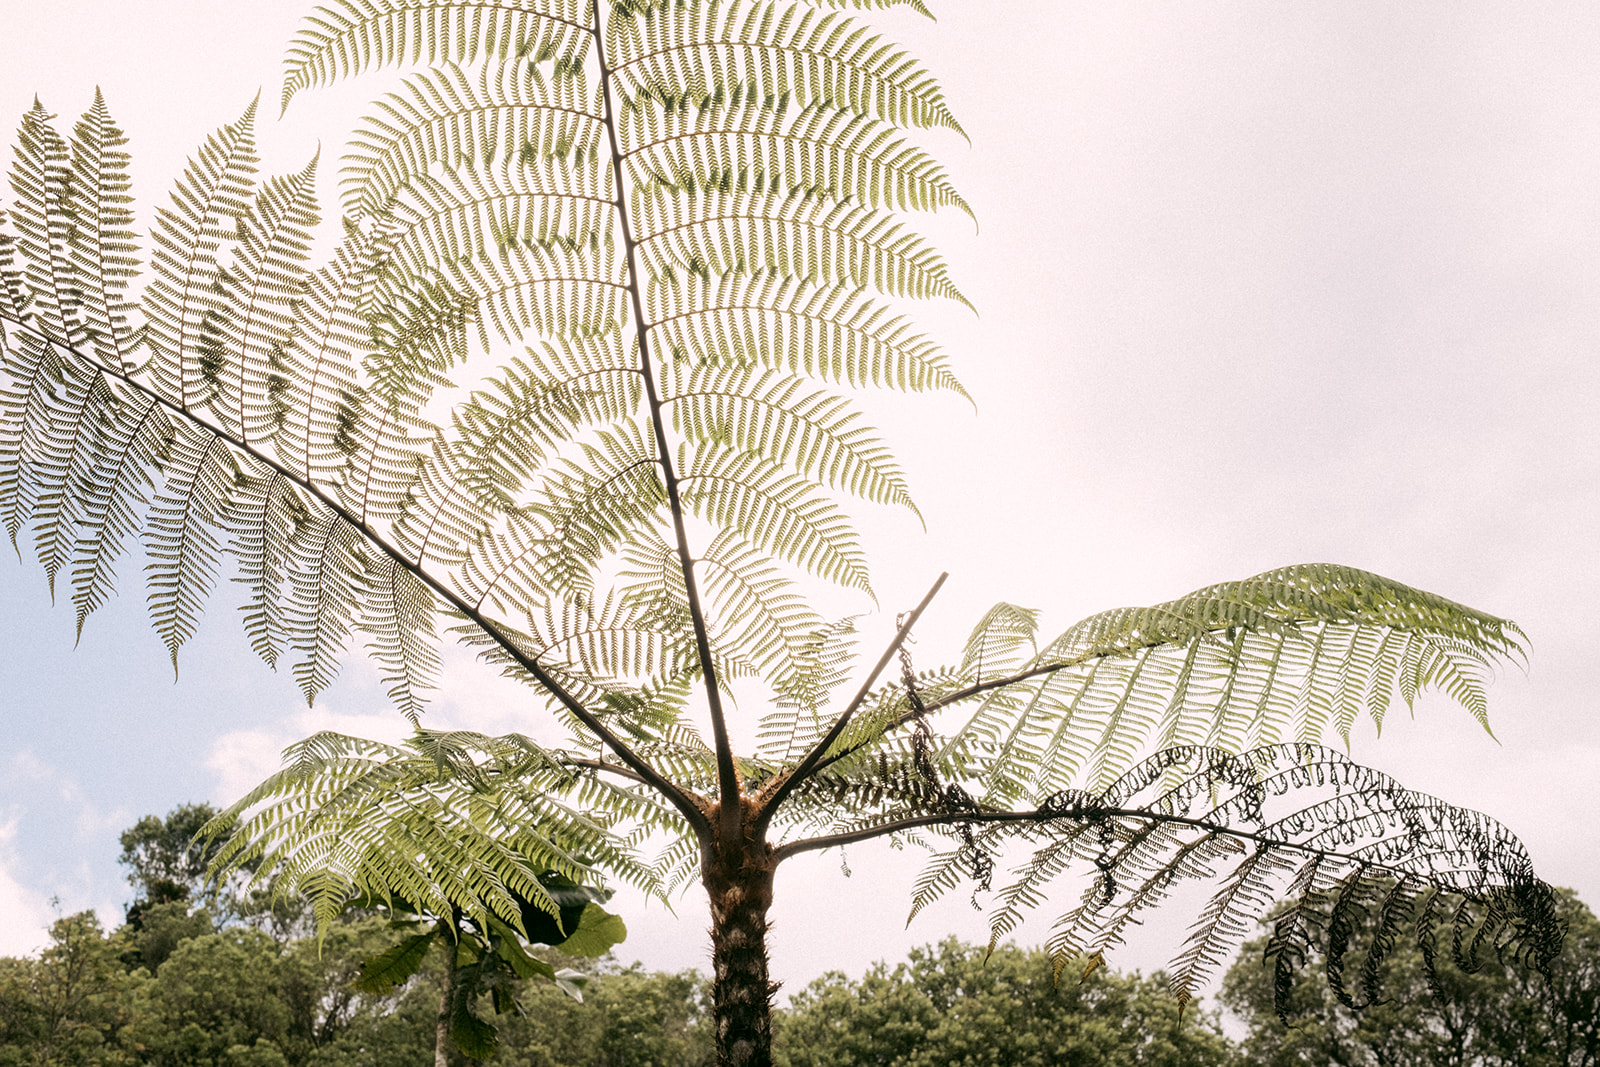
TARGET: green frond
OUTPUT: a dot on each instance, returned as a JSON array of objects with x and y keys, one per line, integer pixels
[
  {"x": 817, "y": 152},
  {"x": 270, "y": 518},
  {"x": 809, "y": 431},
  {"x": 610, "y": 639},
  {"x": 493, "y": 125},
  {"x": 1289, "y": 821},
  {"x": 916, "y": 5},
  {"x": 44, "y": 221},
  {"x": 314, "y": 386},
  {"x": 347, "y": 37},
  {"x": 790, "y": 235},
  {"x": 398, "y": 616},
  {"x": 591, "y": 505},
  {"x": 1282, "y": 656},
  {"x": 253, "y": 317},
  {"x": 781, "y": 512},
  {"x": 944, "y": 872},
  {"x": 103, "y": 247},
  {"x": 135, "y": 436},
  {"x": 191, "y": 506},
  {"x": 710, "y": 56},
  {"x": 771, "y": 321},
  {"x": 755, "y": 610},
  {"x": 454, "y": 819},
  {"x": 194, "y": 236},
  {"x": 63, "y": 459},
  {"x": 500, "y": 443},
  {"x": 995, "y": 644},
  {"x": 822, "y": 662},
  {"x": 327, "y": 565}
]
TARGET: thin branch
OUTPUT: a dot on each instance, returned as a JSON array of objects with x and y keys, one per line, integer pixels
[
  {"x": 608, "y": 768},
  {"x": 929, "y": 706},
  {"x": 777, "y": 791},
  {"x": 683, "y": 800},
  {"x": 1040, "y": 815},
  {"x": 728, "y": 782}
]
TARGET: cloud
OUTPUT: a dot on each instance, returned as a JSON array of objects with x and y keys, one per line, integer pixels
[
  {"x": 27, "y": 912},
  {"x": 242, "y": 758}
]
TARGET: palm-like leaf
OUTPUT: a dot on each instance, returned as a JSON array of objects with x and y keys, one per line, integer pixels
[
  {"x": 1289, "y": 655},
  {"x": 447, "y": 820}
]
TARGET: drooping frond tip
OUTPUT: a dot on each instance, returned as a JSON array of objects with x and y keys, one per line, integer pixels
[{"x": 1295, "y": 823}]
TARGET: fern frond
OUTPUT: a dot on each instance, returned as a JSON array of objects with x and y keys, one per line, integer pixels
[
  {"x": 797, "y": 723},
  {"x": 103, "y": 248},
  {"x": 398, "y": 615},
  {"x": 326, "y": 578},
  {"x": 44, "y": 219},
  {"x": 314, "y": 386},
  {"x": 1284, "y": 655},
  {"x": 809, "y": 431},
  {"x": 755, "y": 611},
  {"x": 254, "y": 318},
  {"x": 781, "y": 512},
  {"x": 770, "y": 53},
  {"x": 768, "y": 320},
  {"x": 191, "y": 507},
  {"x": 788, "y": 234},
  {"x": 993, "y": 647},
  {"x": 492, "y": 124},
  {"x": 447, "y": 820},
  {"x": 194, "y": 236},
  {"x": 823, "y": 153},
  {"x": 1288, "y": 818},
  {"x": 347, "y": 37},
  {"x": 136, "y": 435},
  {"x": 271, "y": 516},
  {"x": 500, "y": 442}
]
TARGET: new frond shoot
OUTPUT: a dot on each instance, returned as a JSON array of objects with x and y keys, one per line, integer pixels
[{"x": 666, "y": 253}]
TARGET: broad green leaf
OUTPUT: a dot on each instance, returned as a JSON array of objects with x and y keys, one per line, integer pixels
[{"x": 597, "y": 931}]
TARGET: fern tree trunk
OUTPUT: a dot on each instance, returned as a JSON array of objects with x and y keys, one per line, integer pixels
[
  {"x": 737, "y": 872},
  {"x": 447, "y": 997}
]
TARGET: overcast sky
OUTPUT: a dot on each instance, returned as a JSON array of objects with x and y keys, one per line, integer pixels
[{"x": 1258, "y": 283}]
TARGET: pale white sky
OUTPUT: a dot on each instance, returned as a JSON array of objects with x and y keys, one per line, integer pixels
[{"x": 1258, "y": 284}]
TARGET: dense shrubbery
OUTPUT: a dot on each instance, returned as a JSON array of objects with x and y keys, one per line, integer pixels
[{"x": 206, "y": 977}]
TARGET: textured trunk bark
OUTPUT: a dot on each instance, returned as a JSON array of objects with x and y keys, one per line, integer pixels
[
  {"x": 738, "y": 878},
  {"x": 441, "y": 1030}
]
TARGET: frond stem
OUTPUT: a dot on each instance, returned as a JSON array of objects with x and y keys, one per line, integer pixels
[
  {"x": 778, "y": 790},
  {"x": 931, "y": 705},
  {"x": 607, "y": 768},
  {"x": 1040, "y": 815},
  {"x": 728, "y": 782},
  {"x": 684, "y": 801}
]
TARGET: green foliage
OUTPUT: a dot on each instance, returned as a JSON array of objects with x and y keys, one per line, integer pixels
[
  {"x": 155, "y": 930},
  {"x": 164, "y": 861},
  {"x": 1498, "y": 1015},
  {"x": 64, "y": 1008},
  {"x": 486, "y": 956},
  {"x": 954, "y": 1004},
  {"x": 449, "y": 820}
]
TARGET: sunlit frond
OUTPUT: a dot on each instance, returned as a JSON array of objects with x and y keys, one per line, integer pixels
[{"x": 1292, "y": 654}]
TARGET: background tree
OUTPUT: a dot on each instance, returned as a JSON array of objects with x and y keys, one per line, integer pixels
[
  {"x": 691, "y": 218},
  {"x": 954, "y": 1004},
  {"x": 1500, "y": 1015},
  {"x": 164, "y": 861},
  {"x": 64, "y": 1007}
]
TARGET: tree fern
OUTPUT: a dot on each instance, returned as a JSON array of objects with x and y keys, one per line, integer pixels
[{"x": 579, "y": 384}]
